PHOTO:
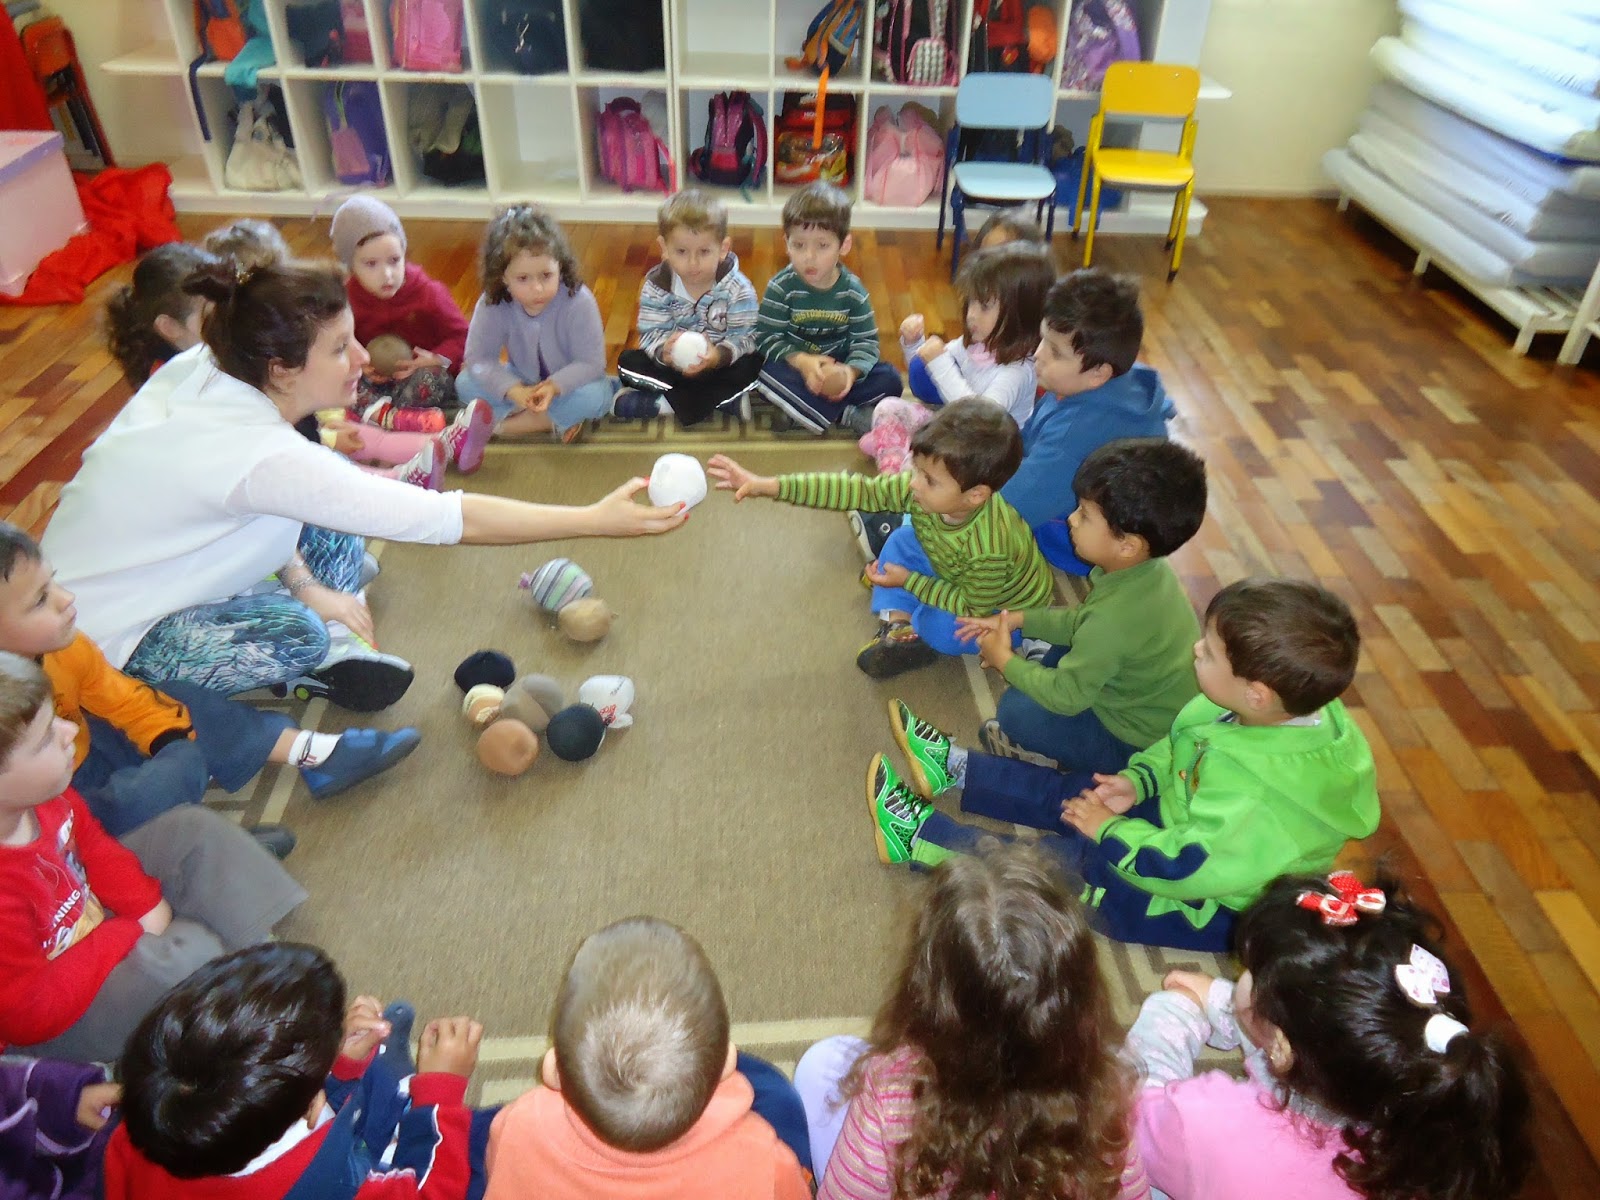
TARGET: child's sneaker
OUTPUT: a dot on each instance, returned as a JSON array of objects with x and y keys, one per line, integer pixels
[
  {"x": 631, "y": 404},
  {"x": 872, "y": 530},
  {"x": 468, "y": 436},
  {"x": 897, "y": 814},
  {"x": 927, "y": 750},
  {"x": 360, "y": 754},
  {"x": 895, "y": 650},
  {"x": 993, "y": 740},
  {"x": 354, "y": 676},
  {"x": 425, "y": 470},
  {"x": 386, "y": 414}
]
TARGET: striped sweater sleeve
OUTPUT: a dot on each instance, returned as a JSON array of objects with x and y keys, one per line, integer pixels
[
  {"x": 864, "y": 351},
  {"x": 773, "y": 320},
  {"x": 876, "y": 1124},
  {"x": 842, "y": 491},
  {"x": 742, "y": 312},
  {"x": 979, "y": 588},
  {"x": 996, "y": 564},
  {"x": 656, "y": 323}
]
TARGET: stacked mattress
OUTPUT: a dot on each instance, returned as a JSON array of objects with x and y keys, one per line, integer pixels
[{"x": 1482, "y": 145}]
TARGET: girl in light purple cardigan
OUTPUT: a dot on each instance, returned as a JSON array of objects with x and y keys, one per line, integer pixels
[
  {"x": 1363, "y": 1079},
  {"x": 537, "y": 311}
]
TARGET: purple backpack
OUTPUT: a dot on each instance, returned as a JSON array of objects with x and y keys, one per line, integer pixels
[
  {"x": 1101, "y": 32},
  {"x": 630, "y": 152},
  {"x": 355, "y": 133}
]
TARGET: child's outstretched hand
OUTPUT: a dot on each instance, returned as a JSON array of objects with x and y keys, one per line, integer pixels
[
  {"x": 95, "y": 1103},
  {"x": 1085, "y": 814},
  {"x": 994, "y": 649},
  {"x": 364, "y": 1028},
  {"x": 887, "y": 574},
  {"x": 449, "y": 1045},
  {"x": 1194, "y": 984},
  {"x": 731, "y": 477},
  {"x": 913, "y": 328}
]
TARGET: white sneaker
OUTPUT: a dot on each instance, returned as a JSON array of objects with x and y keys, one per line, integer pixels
[{"x": 426, "y": 468}]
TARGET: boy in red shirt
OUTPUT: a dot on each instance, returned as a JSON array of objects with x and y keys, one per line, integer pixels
[{"x": 93, "y": 931}]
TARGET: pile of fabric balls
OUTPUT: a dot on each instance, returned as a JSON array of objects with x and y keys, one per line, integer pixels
[{"x": 512, "y": 713}]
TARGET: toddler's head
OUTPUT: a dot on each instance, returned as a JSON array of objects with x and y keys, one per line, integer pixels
[
  {"x": 371, "y": 243},
  {"x": 1005, "y": 226},
  {"x": 1358, "y": 1013},
  {"x": 694, "y": 236},
  {"x": 1091, "y": 332},
  {"x": 816, "y": 233},
  {"x": 963, "y": 456},
  {"x": 639, "y": 1034},
  {"x": 37, "y": 614},
  {"x": 1002, "y": 293},
  {"x": 1138, "y": 499},
  {"x": 153, "y": 318},
  {"x": 249, "y": 244},
  {"x": 36, "y": 746},
  {"x": 231, "y": 1058},
  {"x": 526, "y": 258},
  {"x": 1276, "y": 648}
]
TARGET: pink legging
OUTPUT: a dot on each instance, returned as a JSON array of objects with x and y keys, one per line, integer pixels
[{"x": 386, "y": 446}]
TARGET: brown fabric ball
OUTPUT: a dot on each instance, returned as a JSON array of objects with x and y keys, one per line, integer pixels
[
  {"x": 508, "y": 747},
  {"x": 586, "y": 620}
]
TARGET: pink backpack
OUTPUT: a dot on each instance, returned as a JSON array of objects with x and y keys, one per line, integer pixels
[
  {"x": 905, "y": 159},
  {"x": 427, "y": 34},
  {"x": 631, "y": 155}
]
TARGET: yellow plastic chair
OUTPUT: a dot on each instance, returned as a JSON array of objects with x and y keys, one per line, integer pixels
[{"x": 1136, "y": 91}]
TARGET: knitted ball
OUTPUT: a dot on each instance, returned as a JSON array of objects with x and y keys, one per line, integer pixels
[
  {"x": 556, "y": 584},
  {"x": 586, "y": 620},
  {"x": 388, "y": 351},
  {"x": 485, "y": 666},
  {"x": 575, "y": 732},
  {"x": 508, "y": 747},
  {"x": 482, "y": 704},
  {"x": 677, "y": 478},
  {"x": 533, "y": 700}
]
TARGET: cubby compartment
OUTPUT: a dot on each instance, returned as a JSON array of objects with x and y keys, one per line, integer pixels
[
  {"x": 622, "y": 41},
  {"x": 722, "y": 48},
  {"x": 791, "y": 19},
  {"x": 526, "y": 39},
  {"x": 796, "y": 161},
  {"x": 222, "y": 110},
  {"x": 694, "y": 116},
  {"x": 435, "y": 58},
  {"x": 938, "y": 113},
  {"x": 656, "y": 107},
  {"x": 420, "y": 116},
  {"x": 301, "y": 31},
  {"x": 531, "y": 143},
  {"x": 341, "y": 134}
]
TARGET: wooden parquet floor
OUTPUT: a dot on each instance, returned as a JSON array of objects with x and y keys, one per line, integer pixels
[{"x": 1360, "y": 429}]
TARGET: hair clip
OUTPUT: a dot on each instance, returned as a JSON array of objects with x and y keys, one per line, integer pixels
[
  {"x": 1440, "y": 1031},
  {"x": 1351, "y": 899},
  {"x": 1423, "y": 979},
  {"x": 242, "y": 274}
]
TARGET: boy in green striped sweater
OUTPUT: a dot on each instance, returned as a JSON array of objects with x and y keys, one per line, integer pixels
[{"x": 965, "y": 551}]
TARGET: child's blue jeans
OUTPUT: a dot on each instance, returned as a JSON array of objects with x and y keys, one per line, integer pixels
[
  {"x": 1078, "y": 742},
  {"x": 587, "y": 403},
  {"x": 934, "y": 625}
]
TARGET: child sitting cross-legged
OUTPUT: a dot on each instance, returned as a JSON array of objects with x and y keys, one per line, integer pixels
[
  {"x": 1264, "y": 772},
  {"x": 643, "y": 1093},
  {"x": 1120, "y": 665},
  {"x": 253, "y": 1080},
  {"x": 965, "y": 553}
]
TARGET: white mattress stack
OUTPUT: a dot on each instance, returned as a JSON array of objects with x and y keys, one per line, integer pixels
[{"x": 1476, "y": 147}]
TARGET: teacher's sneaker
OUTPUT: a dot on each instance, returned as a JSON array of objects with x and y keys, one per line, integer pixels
[
  {"x": 425, "y": 468},
  {"x": 276, "y": 840},
  {"x": 355, "y": 676},
  {"x": 927, "y": 750},
  {"x": 360, "y": 754},
  {"x": 897, "y": 814},
  {"x": 468, "y": 436},
  {"x": 894, "y": 650}
]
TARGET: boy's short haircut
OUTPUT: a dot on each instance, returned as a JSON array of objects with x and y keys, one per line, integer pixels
[
  {"x": 1297, "y": 638},
  {"x": 16, "y": 546},
  {"x": 24, "y": 690},
  {"x": 1101, "y": 313},
  {"x": 640, "y": 1031},
  {"x": 695, "y": 210},
  {"x": 818, "y": 206},
  {"x": 1151, "y": 488},
  {"x": 231, "y": 1058},
  {"x": 975, "y": 439}
]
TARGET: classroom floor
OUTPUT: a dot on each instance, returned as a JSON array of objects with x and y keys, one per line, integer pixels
[{"x": 1360, "y": 429}]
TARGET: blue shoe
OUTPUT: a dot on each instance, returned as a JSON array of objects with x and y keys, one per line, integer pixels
[
  {"x": 632, "y": 404},
  {"x": 360, "y": 754},
  {"x": 401, "y": 1017}
]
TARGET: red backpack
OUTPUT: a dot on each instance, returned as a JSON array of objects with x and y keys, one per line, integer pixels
[
  {"x": 735, "y": 150},
  {"x": 427, "y": 34},
  {"x": 999, "y": 36},
  {"x": 631, "y": 155}
]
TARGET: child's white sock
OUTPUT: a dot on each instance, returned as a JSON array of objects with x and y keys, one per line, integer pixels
[{"x": 311, "y": 749}]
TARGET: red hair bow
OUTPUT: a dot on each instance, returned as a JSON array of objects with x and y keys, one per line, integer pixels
[{"x": 1351, "y": 900}]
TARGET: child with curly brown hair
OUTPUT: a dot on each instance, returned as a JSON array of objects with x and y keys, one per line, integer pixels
[{"x": 537, "y": 311}]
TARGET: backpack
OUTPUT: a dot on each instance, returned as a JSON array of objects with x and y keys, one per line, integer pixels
[
  {"x": 914, "y": 42},
  {"x": 830, "y": 38},
  {"x": 1100, "y": 33},
  {"x": 631, "y": 155},
  {"x": 735, "y": 149},
  {"x": 527, "y": 34},
  {"x": 999, "y": 36},
  {"x": 220, "y": 32},
  {"x": 797, "y": 156},
  {"x": 317, "y": 30},
  {"x": 355, "y": 132},
  {"x": 427, "y": 34},
  {"x": 622, "y": 35},
  {"x": 357, "y": 40},
  {"x": 259, "y": 160},
  {"x": 905, "y": 159}
]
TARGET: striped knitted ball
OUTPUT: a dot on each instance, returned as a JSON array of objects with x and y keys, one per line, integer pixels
[{"x": 556, "y": 584}]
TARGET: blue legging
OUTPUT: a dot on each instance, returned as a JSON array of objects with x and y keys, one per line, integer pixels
[
  {"x": 587, "y": 403},
  {"x": 934, "y": 625}
]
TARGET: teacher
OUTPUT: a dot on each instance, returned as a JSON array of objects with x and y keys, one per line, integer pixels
[{"x": 209, "y": 542}]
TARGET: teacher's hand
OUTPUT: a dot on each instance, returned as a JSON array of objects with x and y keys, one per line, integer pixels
[
  {"x": 616, "y": 515},
  {"x": 349, "y": 610}
]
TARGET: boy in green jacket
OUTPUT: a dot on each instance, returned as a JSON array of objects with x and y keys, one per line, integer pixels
[
  {"x": 1121, "y": 664},
  {"x": 1263, "y": 773}
]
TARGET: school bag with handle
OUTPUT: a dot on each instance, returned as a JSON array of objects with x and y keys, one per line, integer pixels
[
  {"x": 220, "y": 32},
  {"x": 528, "y": 34},
  {"x": 905, "y": 159},
  {"x": 631, "y": 155},
  {"x": 259, "y": 160},
  {"x": 830, "y": 38},
  {"x": 355, "y": 133},
  {"x": 427, "y": 34},
  {"x": 914, "y": 42},
  {"x": 1100, "y": 33},
  {"x": 357, "y": 38},
  {"x": 999, "y": 36},
  {"x": 735, "y": 150},
  {"x": 816, "y": 138}
]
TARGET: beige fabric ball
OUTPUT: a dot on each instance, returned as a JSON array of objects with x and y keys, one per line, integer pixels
[
  {"x": 482, "y": 704},
  {"x": 586, "y": 620}
]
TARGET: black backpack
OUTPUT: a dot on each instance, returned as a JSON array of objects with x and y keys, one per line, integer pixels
[
  {"x": 623, "y": 35},
  {"x": 527, "y": 34}
]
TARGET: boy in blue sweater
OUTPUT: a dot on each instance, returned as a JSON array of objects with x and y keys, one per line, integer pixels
[{"x": 1094, "y": 394}]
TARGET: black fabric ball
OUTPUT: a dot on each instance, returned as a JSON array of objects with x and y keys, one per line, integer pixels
[
  {"x": 485, "y": 666},
  {"x": 575, "y": 732}
]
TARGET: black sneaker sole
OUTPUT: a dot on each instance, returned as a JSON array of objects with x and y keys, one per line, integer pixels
[
  {"x": 885, "y": 660},
  {"x": 360, "y": 685}
]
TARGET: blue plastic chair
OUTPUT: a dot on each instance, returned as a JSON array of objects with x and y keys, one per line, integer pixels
[{"x": 1009, "y": 103}]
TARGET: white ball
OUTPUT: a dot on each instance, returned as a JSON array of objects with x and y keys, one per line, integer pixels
[
  {"x": 677, "y": 477},
  {"x": 689, "y": 349}
]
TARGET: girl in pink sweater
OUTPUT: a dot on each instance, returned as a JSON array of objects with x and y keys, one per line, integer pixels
[
  {"x": 1363, "y": 1079},
  {"x": 993, "y": 1068}
]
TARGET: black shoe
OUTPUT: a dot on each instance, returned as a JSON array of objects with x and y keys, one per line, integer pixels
[
  {"x": 276, "y": 840},
  {"x": 895, "y": 650},
  {"x": 362, "y": 681},
  {"x": 872, "y": 530},
  {"x": 401, "y": 1017},
  {"x": 857, "y": 418}
]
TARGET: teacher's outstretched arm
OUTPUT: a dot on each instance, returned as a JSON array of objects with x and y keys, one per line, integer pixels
[{"x": 498, "y": 521}]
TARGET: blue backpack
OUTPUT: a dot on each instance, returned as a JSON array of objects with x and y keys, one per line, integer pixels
[{"x": 355, "y": 133}]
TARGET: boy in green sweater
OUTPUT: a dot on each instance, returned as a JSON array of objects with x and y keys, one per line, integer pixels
[
  {"x": 1121, "y": 664},
  {"x": 965, "y": 553},
  {"x": 816, "y": 325},
  {"x": 1263, "y": 774}
]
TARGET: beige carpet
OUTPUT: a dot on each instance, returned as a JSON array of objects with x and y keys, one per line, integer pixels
[{"x": 733, "y": 807}]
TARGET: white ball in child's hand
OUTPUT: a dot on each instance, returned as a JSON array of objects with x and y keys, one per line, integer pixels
[
  {"x": 689, "y": 348},
  {"x": 677, "y": 477}
]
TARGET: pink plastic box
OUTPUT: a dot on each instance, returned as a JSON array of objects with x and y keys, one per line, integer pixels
[{"x": 39, "y": 208}]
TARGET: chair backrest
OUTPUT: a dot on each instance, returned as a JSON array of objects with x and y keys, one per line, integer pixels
[
  {"x": 1148, "y": 89},
  {"x": 1005, "y": 100}
]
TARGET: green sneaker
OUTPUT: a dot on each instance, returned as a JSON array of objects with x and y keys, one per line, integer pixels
[
  {"x": 927, "y": 751},
  {"x": 897, "y": 814}
]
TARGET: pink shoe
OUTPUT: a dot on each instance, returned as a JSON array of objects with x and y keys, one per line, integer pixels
[
  {"x": 468, "y": 436},
  {"x": 426, "y": 468}
]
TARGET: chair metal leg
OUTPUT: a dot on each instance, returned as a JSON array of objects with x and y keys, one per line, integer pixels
[
  {"x": 958, "y": 234},
  {"x": 1050, "y": 218},
  {"x": 1083, "y": 180},
  {"x": 944, "y": 194},
  {"x": 1172, "y": 225},
  {"x": 1094, "y": 220},
  {"x": 1182, "y": 222}
]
